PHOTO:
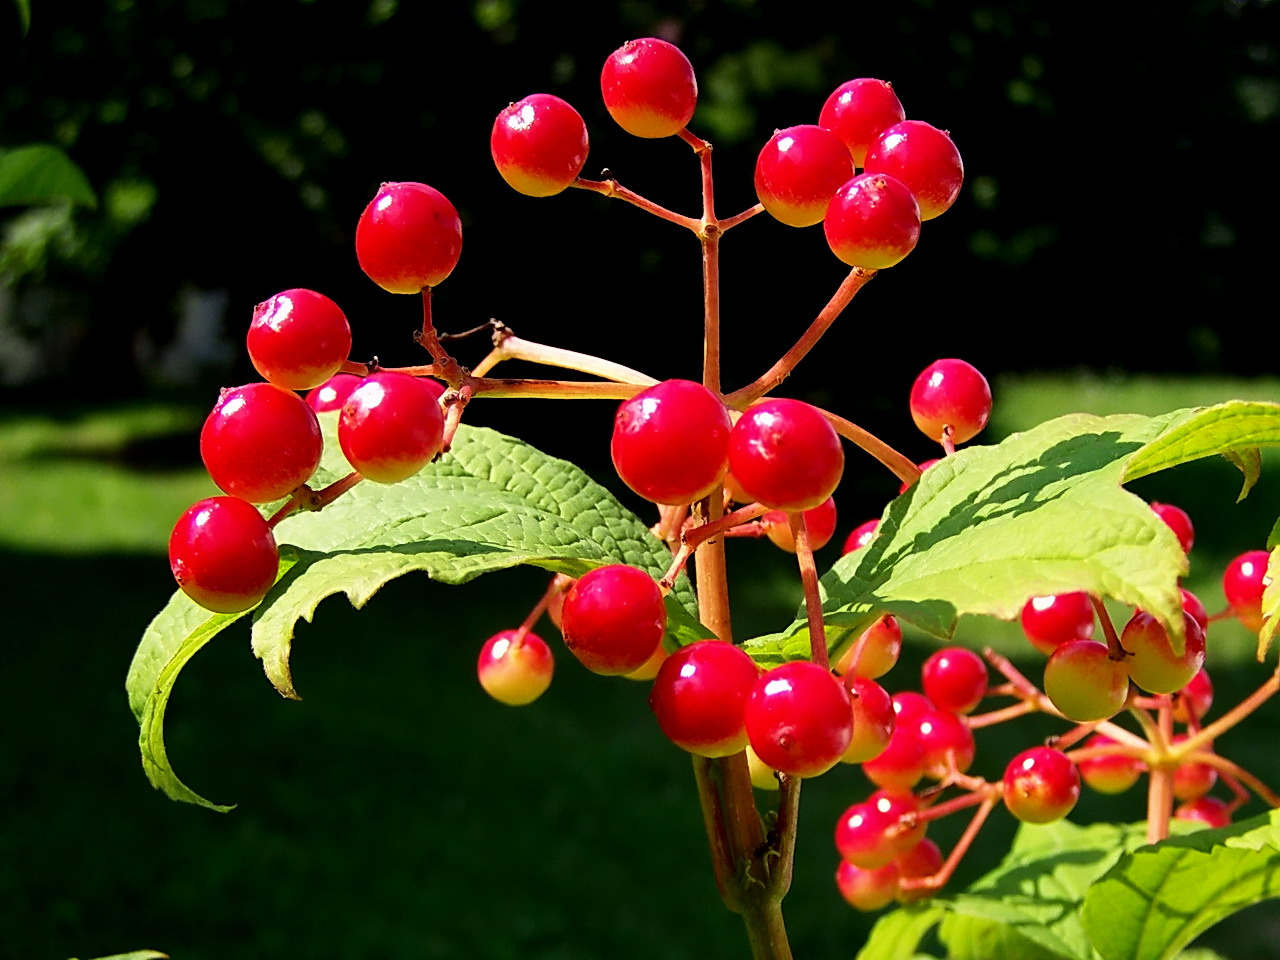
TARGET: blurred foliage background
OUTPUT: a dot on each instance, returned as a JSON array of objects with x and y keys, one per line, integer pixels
[{"x": 1116, "y": 221}]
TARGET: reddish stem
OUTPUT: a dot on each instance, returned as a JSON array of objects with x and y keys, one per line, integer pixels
[
  {"x": 902, "y": 467},
  {"x": 1114, "y": 649},
  {"x": 939, "y": 879},
  {"x": 812, "y": 598},
  {"x": 615, "y": 190}
]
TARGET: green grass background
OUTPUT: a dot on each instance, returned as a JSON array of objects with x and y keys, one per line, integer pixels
[{"x": 396, "y": 812}]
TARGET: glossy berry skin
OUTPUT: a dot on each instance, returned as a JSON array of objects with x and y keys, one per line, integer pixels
[
  {"x": 649, "y": 88},
  {"x": 699, "y": 697},
  {"x": 922, "y": 860},
  {"x": 858, "y": 110},
  {"x": 820, "y": 521},
  {"x": 879, "y": 653},
  {"x": 1243, "y": 584},
  {"x": 1153, "y": 665},
  {"x": 408, "y": 238},
  {"x": 1112, "y": 773},
  {"x": 671, "y": 442},
  {"x": 223, "y": 554},
  {"x": 901, "y": 764},
  {"x": 867, "y": 890},
  {"x": 1054, "y": 620},
  {"x": 1084, "y": 682},
  {"x": 950, "y": 393},
  {"x": 798, "y": 171},
  {"x": 333, "y": 393},
  {"x": 859, "y": 536},
  {"x": 391, "y": 426},
  {"x": 922, "y": 157},
  {"x": 955, "y": 679},
  {"x": 1195, "y": 699},
  {"x": 612, "y": 618},
  {"x": 798, "y": 718},
  {"x": 1192, "y": 606},
  {"x": 872, "y": 222},
  {"x": 861, "y": 836},
  {"x": 515, "y": 670},
  {"x": 298, "y": 339},
  {"x": 539, "y": 145},
  {"x": 260, "y": 442},
  {"x": 1177, "y": 520},
  {"x": 945, "y": 740},
  {"x": 649, "y": 669},
  {"x": 873, "y": 719},
  {"x": 1041, "y": 785},
  {"x": 785, "y": 455},
  {"x": 1193, "y": 780},
  {"x": 1210, "y": 811}
]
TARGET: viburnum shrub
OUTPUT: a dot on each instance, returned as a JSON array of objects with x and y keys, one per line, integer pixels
[{"x": 1037, "y": 526}]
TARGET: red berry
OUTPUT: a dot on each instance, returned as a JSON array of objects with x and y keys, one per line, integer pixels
[
  {"x": 955, "y": 679},
  {"x": 867, "y": 889},
  {"x": 922, "y": 157},
  {"x": 649, "y": 88},
  {"x": 873, "y": 719},
  {"x": 261, "y": 442},
  {"x": 869, "y": 835},
  {"x": 1177, "y": 520},
  {"x": 880, "y": 650},
  {"x": 858, "y": 110},
  {"x": 821, "y": 522},
  {"x": 798, "y": 171},
  {"x": 1041, "y": 785},
  {"x": 699, "y": 697},
  {"x": 1153, "y": 665},
  {"x": 391, "y": 426},
  {"x": 613, "y": 618},
  {"x": 860, "y": 536},
  {"x": 1195, "y": 699},
  {"x": 922, "y": 860},
  {"x": 798, "y": 719},
  {"x": 298, "y": 339},
  {"x": 901, "y": 764},
  {"x": 945, "y": 740},
  {"x": 1084, "y": 682},
  {"x": 1052, "y": 621},
  {"x": 786, "y": 455},
  {"x": 1191, "y": 605},
  {"x": 223, "y": 554},
  {"x": 1112, "y": 773},
  {"x": 1243, "y": 583},
  {"x": 872, "y": 222},
  {"x": 408, "y": 238},
  {"x": 950, "y": 393},
  {"x": 539, "y": 145},
  {"x": 515, "y": 669},
  {"x": 333, "y": 393},
  {"x": 1210, "y": 811},
  {"x": 1192, "y": 780},
  {"x": 649, "y": 669},
  {"x": 671, "y": 442}
]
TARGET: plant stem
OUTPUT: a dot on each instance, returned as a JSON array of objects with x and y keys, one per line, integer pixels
[
  {"x": 507, "y": 346},
  {"x": 1233, "y": 716},
  {"x": 611, "y": 188},
  {"x": 556, "y": 389},
  {"x": 901, "y": 466},
  {"x": 855, "y": 281},
  {"x": 812, "y": 598},
  {"x": 1114, "y": 650}
]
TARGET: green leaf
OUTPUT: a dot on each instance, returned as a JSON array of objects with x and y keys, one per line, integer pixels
[
  {"x": 897, "y": 935},
  {"x": 1237, "y": 426},
  {"x": 24, "y": 14},
  {"x": 1270, "y": 603},
  {"x": 1041, "y": 513},
  {"x": 1248, "y": 462},
  {"x": 42, "y": 174},
  {"x": 1158, "y": 899},
  {"x": 136, "y": 955},
  {"x": 492, "y": 503}
]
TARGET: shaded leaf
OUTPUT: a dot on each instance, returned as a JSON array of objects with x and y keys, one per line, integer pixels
[
  {"x": 24, "y": 14},
  {"x": 137, "y": 955},
  {"x": 1156, "y": 900},
  {"x": 1248, "y": 462},
  {"x": 42, "y": 174},
  {"x": 897, "y": 935}
]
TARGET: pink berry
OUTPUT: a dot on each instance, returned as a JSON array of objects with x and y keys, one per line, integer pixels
[
  {"x": 798, "y": 171},
  {"x": 1084, "y": 682},
  {"x": 950, "y": 393},
  {"x": 613, "y": 618},
  {"x": 333, "y": 393},
  {"x": 408, "y": 238},
  {"x": 1041, "y": 785},
  {"x": 260, "y": 442},
  {"x": 867, "y": 890},
  {"x": 1191, "y": 605},
  {"x": 298, "y": 339},
  {"x": 671, "y": 442},
  {"x": 391, "y": 426},
  {"x": 1177, "y": 520},
  {"x": 1192, "y": 780},
  {"x": 649, "y": 88},
  {"x": 820, "y": 521},
  {"x": 858, "y": 110},
  {"x": 955, "y": 679},
  {"x": 901, "y": 764},
  {"x": 700, "y": 695},
  {"x": 921, "y": 861},
  {"x": 1210, "y": 811},
  {"x": 871, "y": 834},
  {"x": 539, "y": 145},
  {"x": 879, "y": 650},
  {"x": 873, "y": 719},
  {"x": 945, "y": 741},
  {"x": 798, "y": 718},
  {"x": 1243, "y": 583},
  {"x": 872, "y": 222},
  {"x": 1052, "y": 621},
  {"x": 860, "y": 536},
  {"x": 786, "y": 455},
  {"x": 1195, "y": 699},
  {"x": 1111, "y": 773},
  {"x": 922, "y": 157},
  {"x": 223, "y": 554},
  {"x": 1153, "y": 665},
  {"x": 515, "y": 669}
]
